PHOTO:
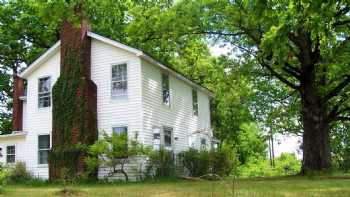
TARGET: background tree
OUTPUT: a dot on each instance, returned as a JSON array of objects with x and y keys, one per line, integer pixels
[
  {"x": 156, "y": 27},
  {"x": 303, "y": 44}
]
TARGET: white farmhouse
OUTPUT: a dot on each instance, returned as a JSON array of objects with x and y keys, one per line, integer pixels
[{"x": 135, "y": 94}]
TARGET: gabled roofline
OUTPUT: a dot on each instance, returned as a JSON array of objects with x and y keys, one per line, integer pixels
[
  {"x": 135, "y": 51},
  {"x": 150, "y": 59},
  {"x": 42, "y": 58}
]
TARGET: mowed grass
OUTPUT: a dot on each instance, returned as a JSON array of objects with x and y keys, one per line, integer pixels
[{"x": 283, "y": 186}]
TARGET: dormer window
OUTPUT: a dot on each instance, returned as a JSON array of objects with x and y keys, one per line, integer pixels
[
  {"x": 44, "y": 92},
  {"x": 165, "y": 89},
  {"x": 119, "y": 81}
]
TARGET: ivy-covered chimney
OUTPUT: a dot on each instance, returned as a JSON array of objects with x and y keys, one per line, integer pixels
[
  {"x": 17, "y": 110},
  {"x": 74, "y": 103}
]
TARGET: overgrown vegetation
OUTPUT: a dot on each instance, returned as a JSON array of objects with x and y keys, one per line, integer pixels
[
  {"x": 286, "y": 164},
  {"x": 160, "y": 163},
  {"x": 222, "y": 162},
  {"x": 114, "y": 153}
]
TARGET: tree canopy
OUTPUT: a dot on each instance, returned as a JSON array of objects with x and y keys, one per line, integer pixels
[{"x": 288, "y": 70}]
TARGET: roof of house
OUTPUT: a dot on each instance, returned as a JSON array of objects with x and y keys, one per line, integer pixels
[{"x": 133, "y": 50}]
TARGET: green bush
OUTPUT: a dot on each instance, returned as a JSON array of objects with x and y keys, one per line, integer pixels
[
  {"x": 19, "y": 173},
  {"x": 285, "y": 164},
  {"x": 196, "y": 162},
  {"x": 222, "y": 162},
  {"x": 160, "y": 163},
  {"x": 4, "y": 177}
]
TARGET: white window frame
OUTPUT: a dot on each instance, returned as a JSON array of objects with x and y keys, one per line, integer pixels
[
  {"x": 123, "y": 95},
  {"x": 195, "y": 106},
  {"x": 167, "y": 90},
  {"x": 46, "y": 92},
  {"x": 44, "y": 149},
  {"x": 11, "y": 154}
]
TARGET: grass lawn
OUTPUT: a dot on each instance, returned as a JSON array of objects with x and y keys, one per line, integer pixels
[{"x": 284, "y": 186}]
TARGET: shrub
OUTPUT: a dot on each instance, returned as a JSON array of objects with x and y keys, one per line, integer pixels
[
  {"x": 285, "y": 164},
  {"x": 196, "y": 162},
  {"x": 19, "y": 173},
  {"x": 224, "y": 162},
  {"x": 201, "y": 162},
  {"x": 160, "y": 163},
  {"x": 4, "y": 177},
  {"x": 113, "y": 152}
]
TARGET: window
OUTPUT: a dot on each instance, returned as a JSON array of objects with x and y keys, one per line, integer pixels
[
  {"x": 10, "y": 154},
  {"x": 44, "y": 94},
  {"x": 165, "y": 89},
  {"x": 195, "y": 102},
  {"x": 120, "y": 130},
  {"x": 119, "y": 81},
  {"x": 203, "y": 144},
  {"x": 43, "y": 148},
  {"x": 156, "y": 138},
  {"x": 167, "y": 131}
]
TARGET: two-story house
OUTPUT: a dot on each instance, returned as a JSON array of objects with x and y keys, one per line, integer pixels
[{"x": 136, "y": 94}]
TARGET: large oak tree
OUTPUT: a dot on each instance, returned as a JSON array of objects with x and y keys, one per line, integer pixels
[{"x": 305, "y": 45}]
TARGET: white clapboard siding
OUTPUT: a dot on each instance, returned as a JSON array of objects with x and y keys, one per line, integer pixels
[
  {"x": 37, "y": 121},
  {"x": 124, "y": 111},
  {"x": 179, "y": 115}
]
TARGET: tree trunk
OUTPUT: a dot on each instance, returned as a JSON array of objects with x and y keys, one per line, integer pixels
[{"x": 316, "y": 140}]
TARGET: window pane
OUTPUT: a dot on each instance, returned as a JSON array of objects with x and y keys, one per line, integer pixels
[
  {"x": 44, "y": 141},
  {"x": 44, "y": 95},
  {"x": 120, "y": 130},
  {"x": 195, "y": 102},
  {"x": 10, "y": 159},
  {"x": 43, "y": 156},
  {"x": 166, "y": 97},
  {"x": 119, "y": 80},
  {"x": 11, "y": 150},
  {"x": 165, "y": 89},
  {"x": 203, "y": 143},
  {"x": 44, "y": 84},
  {"x": 44, "y": 102},
  {"x": 167, "y": 137}
]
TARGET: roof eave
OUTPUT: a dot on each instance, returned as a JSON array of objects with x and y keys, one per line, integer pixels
[
  {"x": 176, "y": 74},
  {"x": 45, "y": 56}
]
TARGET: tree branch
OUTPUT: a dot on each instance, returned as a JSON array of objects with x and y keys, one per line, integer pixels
[
  {"x": 343, "y": 118},
  {"x": 279, "y": 76},
  {"x": 343, "y": 22},
  {"x": 337, "y": 89},
  {"x": 291, "y": 70}
]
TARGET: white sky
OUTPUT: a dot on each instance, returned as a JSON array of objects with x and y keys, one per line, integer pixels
[{"x": 283, "y": 143}]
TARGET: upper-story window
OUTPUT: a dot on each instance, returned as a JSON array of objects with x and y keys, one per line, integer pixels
[
  {"x": 44, "y": 92},
  {"x": 119, "y": 81},
  {"x": 195, "y": 102},
  {"x": 165, "y": 89}
]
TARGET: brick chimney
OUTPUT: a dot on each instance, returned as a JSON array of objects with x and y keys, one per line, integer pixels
[
  {"x": 17, "y": 113},
  {"x": 74, "y": 102}
]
